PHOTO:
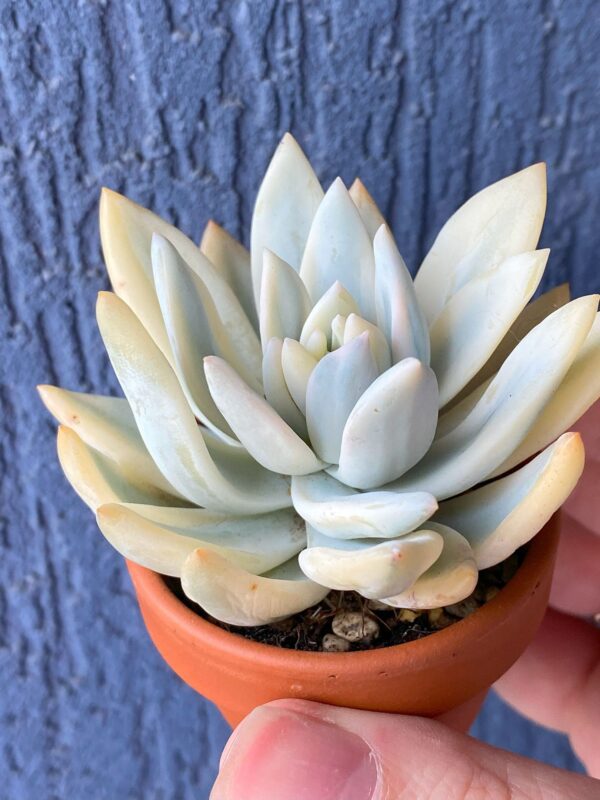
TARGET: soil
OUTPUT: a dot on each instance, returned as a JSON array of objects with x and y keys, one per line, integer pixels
[{"x": 312, "y": 628}]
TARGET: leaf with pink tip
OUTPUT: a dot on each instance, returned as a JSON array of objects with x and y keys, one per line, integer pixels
[
  {"x": 374, "y": 569},
  {"x": 449, "y": 580}
]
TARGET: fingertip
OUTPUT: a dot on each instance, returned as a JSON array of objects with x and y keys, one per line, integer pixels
[{"x": 285, "y": 754}]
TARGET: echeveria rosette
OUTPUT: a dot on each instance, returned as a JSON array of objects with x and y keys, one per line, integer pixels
[{"x": 307, "y": 418}]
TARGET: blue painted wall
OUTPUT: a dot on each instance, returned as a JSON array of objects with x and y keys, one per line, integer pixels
[{"x": 179, "y": 104}]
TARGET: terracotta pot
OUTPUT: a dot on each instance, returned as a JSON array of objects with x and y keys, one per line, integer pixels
[{"x": 428, "y": 677}]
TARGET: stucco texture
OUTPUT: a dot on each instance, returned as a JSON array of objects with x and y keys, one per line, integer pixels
[{"x": 179, "y": 104}]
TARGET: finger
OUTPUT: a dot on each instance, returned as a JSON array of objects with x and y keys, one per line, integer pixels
[
  {"x": 556, "y": 682},
  {"x": 576, "y": 582},
  {"x": 462, "y": 717},
  {"x": 301, "y": 750},
  {"x": 583, "y": 504}
]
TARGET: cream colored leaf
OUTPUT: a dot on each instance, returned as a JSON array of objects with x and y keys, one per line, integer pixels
[
  {"x": 232, "y": 262},
  {"x": 97, "y": 479},
  {"x": 107, "y": 425},
  {"x": 194, "y": 330},
  {"x": 334, "y": 387},
  {"x": 451, "y": 416},
  {"x": 367, "y": 208},
  {"x": 373, "y": 570},
  {"x": 297, "y": 364},
  {"x": 284, "y": 301},
  {"x": 449, "y": 580},
  {"x": 277, "y": 393},
  {"x": 533, "y": 313},
  {"x": 508, "y": 408},
  {"x": 578, "y": 391},
  {"x": 162, "y": 538},
  {"x": 499, "y": 517},
  {"x": 500, "y": 221},
  {"x": 338, "y": 325},
  {"x": 126, "y": 230},
  {"x": 398, "y": 312},
  {"x": 354, "y": 326},
  {"x": 336, "y": 301},
  {"x": 238, "y": 597}
]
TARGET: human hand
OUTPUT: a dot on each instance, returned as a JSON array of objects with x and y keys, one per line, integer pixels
[{"x": 296, "y": 750}]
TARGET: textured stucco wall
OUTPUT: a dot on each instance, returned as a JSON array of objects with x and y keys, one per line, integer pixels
[{"x": 179, "y": 104}]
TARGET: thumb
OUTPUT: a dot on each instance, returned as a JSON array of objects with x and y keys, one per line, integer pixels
[{"x": 296, "y": 750}]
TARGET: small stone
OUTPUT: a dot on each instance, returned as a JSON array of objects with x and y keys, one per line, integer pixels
[
  {"x": 438, "y": 618},
  {"x": 354, "y": 626},
  {"x": 490, "y": 593},
  {"x": 464, "y": 608},
  {"x": 407, "y": 615},
  {"x": 377, "y": 605},
  {"x": 334, "y": 644}
]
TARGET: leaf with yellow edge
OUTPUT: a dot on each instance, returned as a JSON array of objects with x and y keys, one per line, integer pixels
[
  {"x": 373, "y": 568},
  {"x": 97, "y": 479},
  {"x": 449, "y": 580},
  {"x": 367, "y": 208},
  {"x": 503, "y": 515},
  {"x": 162, "y": 538},
  {"x": 238, "y": 597},
  {"x": 232, "y": 261},
  {"x": 500, "y": 221},
  {"x": 107, "y": 425},
  {"x": 579, "y": 389}
]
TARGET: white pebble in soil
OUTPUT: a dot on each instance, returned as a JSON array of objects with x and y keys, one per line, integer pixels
[
  {"x": 464, "y": 608},
  {"x": 377, "y": 605},
  {"x": 334, "y": 644},
  {"x": 354, "y": 626}
]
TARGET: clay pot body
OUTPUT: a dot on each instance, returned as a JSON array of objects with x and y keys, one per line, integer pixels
[{"x": 428, "y": 677}]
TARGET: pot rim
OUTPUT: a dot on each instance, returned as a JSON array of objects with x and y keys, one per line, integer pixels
[{"x": 445, "y": 643}]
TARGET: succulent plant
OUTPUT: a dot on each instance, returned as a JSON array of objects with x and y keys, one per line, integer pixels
[{"x": 306, "y": 418}]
